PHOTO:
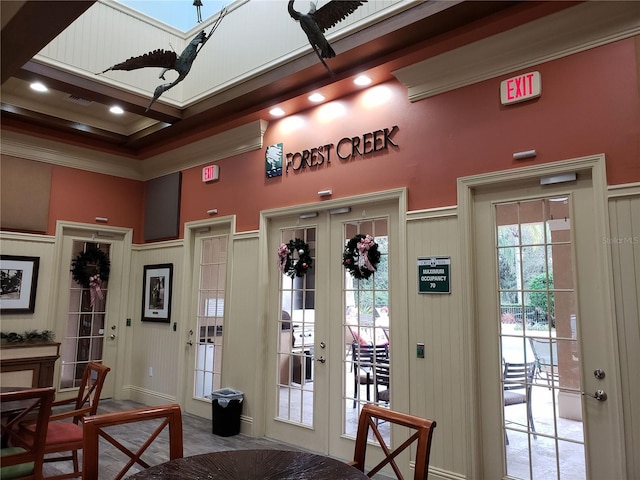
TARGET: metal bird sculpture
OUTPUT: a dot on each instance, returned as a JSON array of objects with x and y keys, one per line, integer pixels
[
  {"x": 316, "y": 22},
  {"x": 169, "y": 60},
  {"x": 198, "y": 5}
]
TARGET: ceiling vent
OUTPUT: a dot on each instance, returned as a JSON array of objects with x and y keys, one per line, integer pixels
[{"x": 78, "y": 100}]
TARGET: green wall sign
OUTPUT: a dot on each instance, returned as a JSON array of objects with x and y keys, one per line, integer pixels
[{"x": 434, "y": 275}]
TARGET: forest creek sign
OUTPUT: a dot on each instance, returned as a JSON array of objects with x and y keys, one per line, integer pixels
[{"x": 347, "y": 148}]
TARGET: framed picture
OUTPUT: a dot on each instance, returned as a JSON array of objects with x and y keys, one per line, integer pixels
[
  {"x": 156, "y": 293},
  {"x": 18, "y": 283}
]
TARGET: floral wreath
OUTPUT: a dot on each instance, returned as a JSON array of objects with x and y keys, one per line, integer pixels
[
  {"x": 90, "y": 268},
  {"x": 361, "y": 256},
  {"x": 286, "y": 263}
]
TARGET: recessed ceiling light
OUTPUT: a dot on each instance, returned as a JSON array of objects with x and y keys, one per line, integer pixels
[
  {"x": 362, "y": 80},
  {"x": 39, "y": 87},
  {"x": 276, "y": 112},
  {"x": 117, "y": 110},
  {"x": 316, "y": 97}
]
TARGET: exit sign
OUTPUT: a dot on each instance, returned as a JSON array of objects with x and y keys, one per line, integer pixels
[
  {"x": 520, "y": 88},
  {"x": 210, "y": 173}
]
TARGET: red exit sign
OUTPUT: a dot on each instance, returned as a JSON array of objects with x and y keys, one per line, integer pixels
[
  {"x": 520, "y": 88},
  {"x": 210, "y": 173}
]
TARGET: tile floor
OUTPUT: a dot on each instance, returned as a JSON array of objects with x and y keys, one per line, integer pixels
[{"x": 197, "y": 438}]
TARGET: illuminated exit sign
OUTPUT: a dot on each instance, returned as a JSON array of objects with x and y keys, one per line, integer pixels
[
  {"x": 520, "y": 88},
  {"x": 210, "y": 173}
]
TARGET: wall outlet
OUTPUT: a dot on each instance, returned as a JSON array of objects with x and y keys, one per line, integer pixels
[{"x": 151, "y": 371}]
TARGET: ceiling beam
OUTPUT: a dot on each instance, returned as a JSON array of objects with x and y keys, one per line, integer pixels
[{"x": 32, "y": 27}]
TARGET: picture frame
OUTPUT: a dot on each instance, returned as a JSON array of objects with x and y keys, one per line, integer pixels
[
  {"x": 18, "y": 283},
  {"x": 157, "y": 284}
]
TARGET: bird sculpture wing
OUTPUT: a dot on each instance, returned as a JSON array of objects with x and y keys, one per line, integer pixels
[
  {"x": 335, "y": 11},
  {"x": 157, "y": 58}
]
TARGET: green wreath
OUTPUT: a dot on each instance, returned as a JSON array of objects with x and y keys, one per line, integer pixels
[
  {"x": 90, "y": 263},
  {"x": 361, "y": 256},
  {"x": 288, "y": 265}
]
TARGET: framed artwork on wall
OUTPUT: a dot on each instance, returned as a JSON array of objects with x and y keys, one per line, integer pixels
[
  {"x": 156, "y": 293},
  {"x": 18, "y": 283}
]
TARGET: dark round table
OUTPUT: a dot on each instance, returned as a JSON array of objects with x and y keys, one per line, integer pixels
[{"x": 253, "y": 465}]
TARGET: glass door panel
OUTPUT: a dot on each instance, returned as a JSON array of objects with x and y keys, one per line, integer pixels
[
  {"x": 84, "y": 334},
  {"x": 366, "y": 328},
  {"x": 537, "y": 310},
  {"x": 297, "y": 327}
]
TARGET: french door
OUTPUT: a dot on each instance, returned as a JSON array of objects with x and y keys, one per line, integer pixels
[
  {"x": 315, "y": 392},
  {"x": 89, "y": 324},
  {"x": 549, "y": 395},
  {"x": 204, "y": 340}
]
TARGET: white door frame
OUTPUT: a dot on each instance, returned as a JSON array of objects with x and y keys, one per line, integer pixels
[{"x": 595, "y": 164}]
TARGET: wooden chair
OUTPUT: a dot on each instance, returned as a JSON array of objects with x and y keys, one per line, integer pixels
[
  {"x": 517, "y": 383},
  {"x": 66, "y": 436},
  {"x": 19, "y": 462},
  {"x": 98, "y": 426},
  {"x": 369, "y": 416},
  {"x": 364, "y": 359}
]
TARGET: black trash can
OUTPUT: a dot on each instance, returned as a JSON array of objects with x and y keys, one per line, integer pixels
[{"x": 226, "y": 407}]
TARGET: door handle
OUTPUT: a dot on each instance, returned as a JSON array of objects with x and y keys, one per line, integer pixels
[
  {"x": 599, "y": 395},
  {"x": 112, "y": 336},
  {"x": 321, "y": 359}
]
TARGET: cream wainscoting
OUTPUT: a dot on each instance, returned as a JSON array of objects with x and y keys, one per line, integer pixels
[
  {"x": 624, "y": 241},
  {"x": 151, "y": 344},
  {"x": 31, "y": 245},
  {"x": 437, "y": 321}
]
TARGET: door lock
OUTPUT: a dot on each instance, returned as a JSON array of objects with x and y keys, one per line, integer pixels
[{"x": 599, "y": 395}]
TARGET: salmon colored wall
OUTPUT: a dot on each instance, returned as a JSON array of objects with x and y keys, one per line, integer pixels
[
  {"x": 589, "y": 105},
  {"x": 81, "y": 196}
]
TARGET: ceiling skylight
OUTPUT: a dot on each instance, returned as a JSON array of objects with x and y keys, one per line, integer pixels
[{"x": 180, "y": 14}]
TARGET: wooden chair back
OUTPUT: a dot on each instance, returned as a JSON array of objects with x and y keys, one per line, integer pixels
[
  {"x": 64, "y": 435},
  {"x": 98, "y": 426},
  {"x": 25, "y": 462},
  {"x": 86, "y": 402},
  {"x": 421, "y": 434}
]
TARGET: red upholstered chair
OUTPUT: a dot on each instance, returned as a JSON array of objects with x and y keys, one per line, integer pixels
[
  {"x": 64, "y": 433},
  {"x": 421, "y": 431},
  {"x": 19, "y": 462},
  {"x": 105, "y": 426}
]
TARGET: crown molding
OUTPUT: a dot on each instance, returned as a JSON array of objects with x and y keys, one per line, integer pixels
[
  {"x": 56, "y": 153},
  {"x": 245, "y": 138},
  {"x": 216, "y": 147},
  {"x": 579, "y": 28}
]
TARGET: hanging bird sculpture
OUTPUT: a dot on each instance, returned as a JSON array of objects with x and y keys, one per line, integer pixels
[
  {"x": 316, "y": 22},
  {"x": 169, "y": 60}
]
